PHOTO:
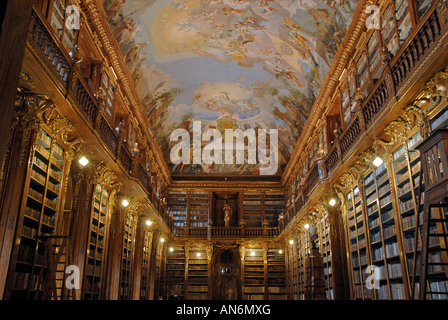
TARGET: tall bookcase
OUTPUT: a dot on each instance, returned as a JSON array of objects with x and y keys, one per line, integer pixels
[
  {"x": 384, "y": 246},
  {"x": 58, "y": 22},
  {"x": 127, "y": 256},
  {"x": 323, "y": 229},
  {"x": 197, "y": 274},
  {"x": 38, "y": 216},
  {"x": 254, "y": 274},
  {"x": 199, "y": 207},
  {"x": 274, "y": 205},
  {"x": 276, "y": 274},
  {"x": 97, "y": 244},
  {"x": 357, "y": 244},
  {"x": 252, "y": 210},
  {"x": 177, "y": 203},
  {"x": 175, "y": 272},
  {"x": 144, "y": 290}
]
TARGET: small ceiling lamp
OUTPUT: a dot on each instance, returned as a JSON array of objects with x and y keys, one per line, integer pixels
[
  {"x": 306, "y": 226},
  {"x": 332, "y": 202},
  {"x": 280, "y": 251},
  {"x": 162, "y": 240},
  {"x": 125, "y": 203},
  {"x": 378, "y": 161},
  {"x": 198, "y": 254},
  {"x": 83, "y": 161},
  {"x": 252, "y": 253},
  {"x": 171, "y": 249},
  {"x": 291, "y": 242},
  {"x": 148, "y": 222}
]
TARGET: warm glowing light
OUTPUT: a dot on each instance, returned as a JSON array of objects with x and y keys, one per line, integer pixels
[
  {"x": 125, "y": 203},
  {"x": 148, "y": 222},
  {"x": 162, "y": 240},
  {"x": 198, "y": 254},
  {"x": 280, "y": 251},
  {"x": 306, "y": 226},
  {"x": 83, "y": 161},
  {"x": 332, "y": 202},
  {"x": 378, "y": 161},
  {"x": 252, "y": 253},
  {"x": 171, "y": 249},
  {"x": 291, "y": 241}
]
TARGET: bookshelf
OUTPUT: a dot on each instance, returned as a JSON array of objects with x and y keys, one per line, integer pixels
[
  {"x": 276, "y": 274},
  {"x": 97, "y": 243},
  {"x": 175, "y": 272},
  {"x": 254, "y": 274},
  {"x": 127, "y": 256},
  {"x": 357, "y": 243},
  {"x": 323, "y": 227},
  {"x": 302, "y": 251},
  {"x": 177, "y": 203},
  {"x": 158, "y": 283},
  {"x": 144, "y": 290},
  {"x": 197, "y": 274},
  {"x": 199, "y": 206},
  {"x": 374, "y": 56},
  {"x": 252, "y": 210},
  {"x": 38, "y": 216},
  {"x": 274, "y": 206},
  {"x": 388, "y": 30},
  {"x": 58, "y": 23},
  {"x": 384, "y": 246}
]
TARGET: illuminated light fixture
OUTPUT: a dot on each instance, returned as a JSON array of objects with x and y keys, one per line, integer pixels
[
  {"x": 280, "y": 251},
  {"x": 171, "y": 249},
  {"x": 148, "y": 222},
  {"x": 125, "y": 203},
  {"x": 162, "y": 240},
  {"x": 83, "y": 161},
  {"x": 378, "y": 161},
  {"x": 198, "y": 254},
  {"x": 291, "y": 242},
  {"x": 252, "y": 253},
  {"x": 332, "y": 202},
  {"x": 306, "y": 226}
]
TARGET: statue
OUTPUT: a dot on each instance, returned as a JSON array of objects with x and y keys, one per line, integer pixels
[{"x": 227, "y": 214}]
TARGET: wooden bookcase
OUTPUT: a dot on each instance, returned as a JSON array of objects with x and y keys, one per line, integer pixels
[
  {"x": 356, "y": 235},
  {"x": 38, "y": 216},
  {"x": 252, "y": 210},
  {"x": 384, "y": 245},
  {"x": 177, "y": 203},
  {"x": 98, "y": 231},
  {"x": 144, "y": 288},
  {"x": 254, "y": 274},
  {"x": 127, "y": 256},
  {"x": 197, "y": 274},
  {"x": 274, "y": 206},
  {"x": 199, "y": 207},
  {"x": 276, "y": 274},
  {"x": 302, "y": 251},
  {"x": 323, "y": 230},
  {"x": 58, "y": 18},
  {"x": 175, "y": 272}
]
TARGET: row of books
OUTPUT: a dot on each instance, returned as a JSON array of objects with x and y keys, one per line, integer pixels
[{"x": 40, "y": 163}]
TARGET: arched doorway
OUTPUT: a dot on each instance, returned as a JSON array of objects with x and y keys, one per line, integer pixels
[{"x": 226, "y": 275}]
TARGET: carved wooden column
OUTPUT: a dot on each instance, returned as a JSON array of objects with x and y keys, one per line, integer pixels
[
  {"x": 23, "y": 134},
  {"x": 13, "y": 37},
  {"x": 80, "y": 219},
  {"x": 315, "y": 285},
  {"x": 138, "y": 258},
  {"x": 115, "y": 248},
  {"x": 209, "y": 250},
  {"x": 341, "y": 287},
  {"x": 152, "y": 265}
]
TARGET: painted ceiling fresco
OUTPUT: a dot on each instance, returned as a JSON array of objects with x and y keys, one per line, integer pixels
[{"x": 229, "y": 63}]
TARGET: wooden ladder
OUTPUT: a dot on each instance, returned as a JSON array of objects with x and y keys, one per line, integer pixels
[
  {"x": 434, "y": 233},
  {"x": 52, "y": 274}
]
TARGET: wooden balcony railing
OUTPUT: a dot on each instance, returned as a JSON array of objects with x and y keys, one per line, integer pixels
[{"x": 225, "y": 232}]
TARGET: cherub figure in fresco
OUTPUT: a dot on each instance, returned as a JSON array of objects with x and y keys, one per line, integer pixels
[
  {"x": 111, "y": 6},
  {"x": 229, "y": 11},
  {"x": 267, "y": 7}
]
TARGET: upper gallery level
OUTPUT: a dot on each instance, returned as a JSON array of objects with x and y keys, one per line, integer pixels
[{"x": 372, "y": 71}]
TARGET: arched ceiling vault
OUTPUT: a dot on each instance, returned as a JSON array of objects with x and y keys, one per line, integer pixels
[{"x": 234, "y": 64}]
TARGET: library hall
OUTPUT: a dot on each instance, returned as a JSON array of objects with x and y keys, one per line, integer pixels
[{"x": 217, "y": 150}]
